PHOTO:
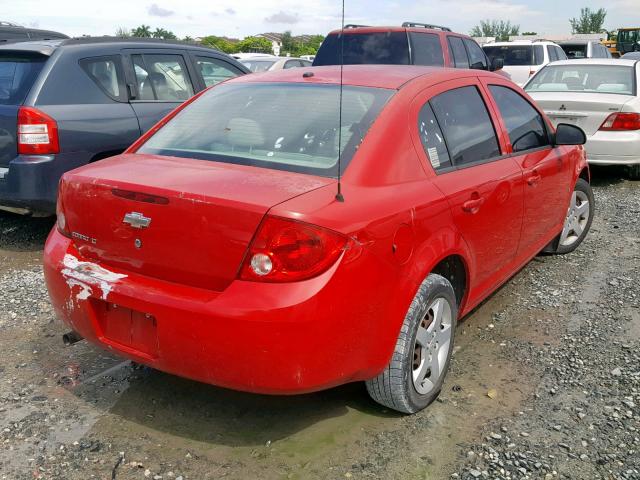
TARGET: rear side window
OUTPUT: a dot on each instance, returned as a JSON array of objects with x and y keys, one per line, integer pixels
[
  {"x": 538, "y": 55},
  {"x": 458, "y": 52},
  {"x": 162, "y": 77},
  {"x": 432, "y": 139},
  {"x": 466, "y": 125},
  {"x": 426, "y": 49},
  {"x": 524, "y": 124},
  {"x": 214, "y": 71},
  {"x": 381, "y": 48},
  {"x": 561, "y": 54},
  {"x": 17, "y": 75},
  {"x": 292, "y": 64},
  {"x": 106, "y": 72},
  {"x": 553, "y": 55},
  {"x": 477, "y": 59}
]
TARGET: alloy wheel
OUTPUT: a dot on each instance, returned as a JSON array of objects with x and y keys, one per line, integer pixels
[
  {"x": 577, "y": 218},
  {"x": 431, "y": 347}
]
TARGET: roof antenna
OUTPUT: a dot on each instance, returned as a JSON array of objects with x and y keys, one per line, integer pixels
[{"x": 339, "y": 196}]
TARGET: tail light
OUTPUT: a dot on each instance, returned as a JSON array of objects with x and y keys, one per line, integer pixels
[
  {"x": 61, "y": 219},
  {"x": 37, "y": 132},
  {"x": 286, "y": 250},
  {"x": 622, "y": 121}
]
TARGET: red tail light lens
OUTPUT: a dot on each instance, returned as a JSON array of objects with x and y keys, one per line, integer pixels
[
  {"x": 622, "y": 121},
  {"x": 37, "y": 132},
  {"x": 285, "y": 250}
]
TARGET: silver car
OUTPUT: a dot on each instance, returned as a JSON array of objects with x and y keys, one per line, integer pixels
[
  {"x": 601, "y": 97},
  {"x": 263, "y": 64}
]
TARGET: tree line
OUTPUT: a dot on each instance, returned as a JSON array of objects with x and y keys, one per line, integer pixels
[
  {"x": 292, "y": 46},
  {"x": 589, "y": 21}
]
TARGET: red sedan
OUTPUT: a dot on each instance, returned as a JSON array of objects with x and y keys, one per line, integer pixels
[{"x": 217, "y": 248}]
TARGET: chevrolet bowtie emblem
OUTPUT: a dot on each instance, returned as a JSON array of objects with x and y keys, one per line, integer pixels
[{"x": 137, "y": 220}]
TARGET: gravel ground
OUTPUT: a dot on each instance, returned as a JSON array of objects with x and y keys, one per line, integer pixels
[{"x": 545, "y": 384}]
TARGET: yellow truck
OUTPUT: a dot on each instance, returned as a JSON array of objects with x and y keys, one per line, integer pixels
[{"x": 628, "y": 40}]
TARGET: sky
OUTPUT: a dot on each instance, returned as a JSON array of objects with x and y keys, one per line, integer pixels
[{"x": 240, "y": 18}]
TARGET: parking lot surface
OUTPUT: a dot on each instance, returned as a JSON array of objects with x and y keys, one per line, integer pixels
[{"x": 545, "y": 383}]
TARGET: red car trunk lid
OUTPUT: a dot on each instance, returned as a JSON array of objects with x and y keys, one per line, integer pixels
[{"x": 201, "y": 214}]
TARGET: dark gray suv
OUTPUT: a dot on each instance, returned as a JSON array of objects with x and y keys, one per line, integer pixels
[{"x": 67, "y": 103}]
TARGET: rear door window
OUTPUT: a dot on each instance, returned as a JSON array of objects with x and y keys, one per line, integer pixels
[
  {"x": 107, "y": 74},
  {"x": 426, "y": 49},
  {"x": 477, "y": 58},
  {"x": 214, "y": 70},
  {"x": 467, "y": 127},
  {"x": 432, "y": 139},
  {"x": 380, "y": 48},
  {"x": 458, "y": 52},
  {"x": 162, "y": 77},
  {"x": 524, "y": 124},
  {"x": 17, "y": 74},
  {"x": 553, "y": 55}
]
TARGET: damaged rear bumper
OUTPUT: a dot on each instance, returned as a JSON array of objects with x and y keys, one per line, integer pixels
[{"x": 257, "y": 337}]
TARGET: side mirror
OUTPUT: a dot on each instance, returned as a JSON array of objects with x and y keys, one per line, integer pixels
[
  {"x": 569, "y": 135},
  {"x": 497, "y": 64}
]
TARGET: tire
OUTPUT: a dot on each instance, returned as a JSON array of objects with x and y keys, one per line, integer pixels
[
  {"x": 634, "y": 172},
  {"x": 569, "y": 239},
  {"x": 396, "y": 387}
]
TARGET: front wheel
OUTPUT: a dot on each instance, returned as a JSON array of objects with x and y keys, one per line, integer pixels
[
  {"x": 578, "y": 220},
  {"x": 414, "y": 376}
]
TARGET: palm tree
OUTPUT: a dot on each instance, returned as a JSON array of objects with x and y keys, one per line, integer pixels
[{"x": 143, "y": 31}]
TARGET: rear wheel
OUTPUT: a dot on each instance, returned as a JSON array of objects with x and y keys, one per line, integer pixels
[
  {"x": 414, "y": 376},
  {"x": 578, "y": 220}
]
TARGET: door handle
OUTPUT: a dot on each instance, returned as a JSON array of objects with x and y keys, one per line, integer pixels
[
  {"x": 534, "y": 178},
  {"x": 474, "y": 204}
]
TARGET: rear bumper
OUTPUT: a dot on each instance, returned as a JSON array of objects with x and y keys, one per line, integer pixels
[
  {"x": 613, "y": 148},
  {"x": 257, "y": 337},
  {"x": 30, "y": 182}
]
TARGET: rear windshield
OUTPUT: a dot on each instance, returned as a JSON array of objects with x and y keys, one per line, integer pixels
[
  {"x": 258, "y": 65},
  {"x": 584, "y": 78},
  {"x": 281, "y": 126},
  {"x": 17, "y": 74},
  {"x": 575, "y": 51},
  {"x": 381, "y": 48},
  {"x": 515, "y": 55}
]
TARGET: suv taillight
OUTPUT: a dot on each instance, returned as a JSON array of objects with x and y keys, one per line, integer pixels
[
  {"x": 622, "y": 121},
  {"x": 286, "y": 250},
  {"x": 37, "y": 132}
]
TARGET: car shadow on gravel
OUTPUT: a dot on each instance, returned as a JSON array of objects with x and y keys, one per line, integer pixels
[
  {"x": 605, "y": 176},
  {"x": 213, "y": 415},
  {"x": 23, "y": 233}
]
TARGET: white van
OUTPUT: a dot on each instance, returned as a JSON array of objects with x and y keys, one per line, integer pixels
[{"x": 523, "y": 58}]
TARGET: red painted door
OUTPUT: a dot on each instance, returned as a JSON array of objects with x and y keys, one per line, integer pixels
[
  {"x": 546, "y": 170},
  {"x": 484, "y": 188},
  {"x": 486, "y": 202}
]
